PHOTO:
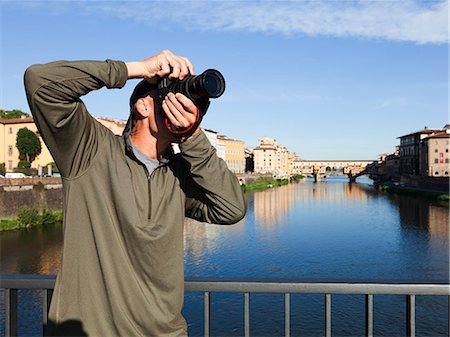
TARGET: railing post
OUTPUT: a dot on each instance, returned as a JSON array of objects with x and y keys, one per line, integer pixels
[
  {"x": 287, "y": 315},
  {"x": 48, "y": 293},
  {"x": 247, "y": 314},
  {"x": 411, "y": 315},
  {"x": 207, "y": 305},
  {"x": 11, "y": 312},
  {"x": 369, "y": 315},
  {"x": 328, "y": 315}
]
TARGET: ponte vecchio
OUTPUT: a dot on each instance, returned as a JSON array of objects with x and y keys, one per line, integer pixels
[{"x": 320, "y": 168}]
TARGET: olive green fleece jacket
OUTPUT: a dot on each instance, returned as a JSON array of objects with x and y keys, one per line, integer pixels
[{"x": 122, "y": 264}]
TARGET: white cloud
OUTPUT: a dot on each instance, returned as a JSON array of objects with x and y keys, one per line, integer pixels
[{"x": 408, "y": 20}]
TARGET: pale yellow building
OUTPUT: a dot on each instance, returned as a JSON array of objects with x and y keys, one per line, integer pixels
[
  {"x": 8, "y": 150},
  {"x": 270, "y": 157},
  {"x": 265, "y": 156},
  {"x": 234, "y": 153},
  {"x": 8, "y": 135}
]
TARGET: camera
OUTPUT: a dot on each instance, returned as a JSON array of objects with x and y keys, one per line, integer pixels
[{"x": 198, "y": 88}]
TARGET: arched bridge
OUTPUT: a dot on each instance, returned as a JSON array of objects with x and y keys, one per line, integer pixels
[{"x": 321, "y": 168}]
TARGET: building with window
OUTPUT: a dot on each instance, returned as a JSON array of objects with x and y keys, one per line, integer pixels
[
  {"x": 265, "y": 156},
  {"x": 215, "y": 142},
  {"x": 8, "y": 136},
  {"x": 410, "y": 150},
  {"x": 434, "y": 155},
  {"x": 234, "y": 153},
  {"x": 271, "y": 157}
]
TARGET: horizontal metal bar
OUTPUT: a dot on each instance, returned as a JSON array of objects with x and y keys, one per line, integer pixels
[
  {"x": 320, "y": 288},
  {"x": 47, "y": 282},
  {"x": 27, "y": 281}
]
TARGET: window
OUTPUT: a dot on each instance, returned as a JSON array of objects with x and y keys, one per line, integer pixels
[
  {"x": 446, "y": 173},
  {"x": 10, "y": 131},
  {"x": 10, "y": 150},
  {"x": 436, "y": 161},
  {"x": 10, "y": 164},
  {"x": 435, "y": 150},
  {"x": 436, "y": 173},
  {"x": 446, "y": 160}
]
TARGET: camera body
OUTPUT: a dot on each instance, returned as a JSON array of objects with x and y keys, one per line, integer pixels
[{"x": 198, "y": 88}]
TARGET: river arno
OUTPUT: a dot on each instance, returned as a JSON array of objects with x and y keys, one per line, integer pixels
[{"x": 307, "y": 231}]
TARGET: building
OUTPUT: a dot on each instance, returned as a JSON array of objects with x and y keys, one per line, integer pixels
[
  {"x": 215, "y": 142},
  {"x": 265, "y": 156},
  {"x": 8, "y": 150},
  {"x": 410, "y": 150},
  {"x": 274, "y": 158},
  {"x": 249, "y": 159},
  {"x": 8, "y": 135},
  {"x": 234, "y": 153},
  {"x": 115, "y": 125},
  {"x": 434, "y": 155}
]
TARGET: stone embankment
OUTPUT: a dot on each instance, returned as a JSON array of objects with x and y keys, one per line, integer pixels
[{"x": 40, "y": 193}]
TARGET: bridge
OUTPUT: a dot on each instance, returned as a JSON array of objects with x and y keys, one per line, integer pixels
[{"x": 322, "y": 168}]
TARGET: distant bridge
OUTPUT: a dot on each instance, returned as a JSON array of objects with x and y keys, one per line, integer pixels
[{"x": 320, "y": 168}]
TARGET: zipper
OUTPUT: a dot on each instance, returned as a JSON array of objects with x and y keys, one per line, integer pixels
[{"x": 149, "y": 215}]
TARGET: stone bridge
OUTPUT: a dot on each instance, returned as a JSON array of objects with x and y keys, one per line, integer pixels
[{"x": 321, "y": 168}]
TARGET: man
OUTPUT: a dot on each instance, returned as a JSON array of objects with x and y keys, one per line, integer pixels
[{"x": 125, "y": 198}]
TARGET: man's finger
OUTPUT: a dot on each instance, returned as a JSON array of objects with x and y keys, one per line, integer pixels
[
  {"x": 179, "y": 119},
  {"x": 187, "y": 103}
]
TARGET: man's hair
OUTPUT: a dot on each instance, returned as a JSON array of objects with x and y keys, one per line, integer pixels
[{"x": 141, "y": 90}]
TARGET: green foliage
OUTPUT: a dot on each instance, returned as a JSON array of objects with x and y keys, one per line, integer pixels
[
  {"x": 30, "y": 217},
  {"x": 2, "y": 169},
  {"x": 15, "y": 113},
  {"x": 263, "y": 184},
  {"x": 28, "y": 144},
  {"x": 7, "y": 225},
  {"x": 24, "y": 164}
]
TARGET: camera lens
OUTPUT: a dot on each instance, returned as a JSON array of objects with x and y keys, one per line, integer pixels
[{"x": 213, "y": 83}]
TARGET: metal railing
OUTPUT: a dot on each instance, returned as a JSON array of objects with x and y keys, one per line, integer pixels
[{"x": 12, "y": 283}]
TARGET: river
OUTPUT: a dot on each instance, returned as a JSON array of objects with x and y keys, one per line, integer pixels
[{"x": 331, "y": 230}]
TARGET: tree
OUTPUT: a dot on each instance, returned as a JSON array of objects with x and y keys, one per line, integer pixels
[
  {"x": 28, "y": 144},
  {"x": 15, "y": 113}
]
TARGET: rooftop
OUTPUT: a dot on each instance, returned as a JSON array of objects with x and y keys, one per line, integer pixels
[{"x": 16, "y": 120}]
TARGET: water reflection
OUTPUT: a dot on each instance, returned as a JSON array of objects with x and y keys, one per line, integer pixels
[{"x": 33, "y": 251}]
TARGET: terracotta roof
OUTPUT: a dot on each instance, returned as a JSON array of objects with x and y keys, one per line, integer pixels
[
  {"x": 16, "y": 120},
  {"x": 439, "y": 135},
  {"x": 421, "y": 132}
]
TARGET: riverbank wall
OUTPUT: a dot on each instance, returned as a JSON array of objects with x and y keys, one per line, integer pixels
[
  {"x": 39, "y": 193},
  {"x": 431, "y": 184}
]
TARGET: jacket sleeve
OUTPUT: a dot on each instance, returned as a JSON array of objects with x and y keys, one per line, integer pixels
[
  {"x": 53, "y": 91},
  {"x": 213, "y": 193}
]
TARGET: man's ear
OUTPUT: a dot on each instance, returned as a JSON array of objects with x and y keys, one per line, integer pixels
[{"x": 143, "y": 108}]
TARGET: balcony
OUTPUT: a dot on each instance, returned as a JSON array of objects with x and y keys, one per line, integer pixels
[{"x": 13, "y": 283}]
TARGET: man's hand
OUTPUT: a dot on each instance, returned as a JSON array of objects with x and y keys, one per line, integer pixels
[
  {"x": 161, "y": 65},
  {"x": 181, "y": 113}
]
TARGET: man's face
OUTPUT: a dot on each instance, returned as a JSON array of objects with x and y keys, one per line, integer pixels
[{"x": 156, "y": 118}]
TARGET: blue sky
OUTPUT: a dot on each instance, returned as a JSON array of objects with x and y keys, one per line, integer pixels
[{"x": 327, "y": 79}]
